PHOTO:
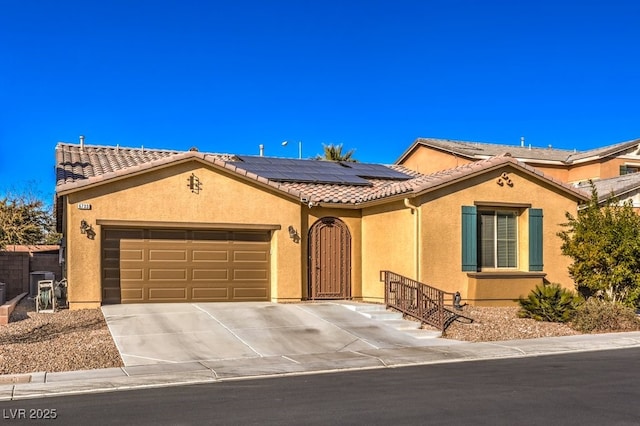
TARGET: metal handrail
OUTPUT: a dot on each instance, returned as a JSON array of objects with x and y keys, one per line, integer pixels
[{"x": 417, "y": 299}]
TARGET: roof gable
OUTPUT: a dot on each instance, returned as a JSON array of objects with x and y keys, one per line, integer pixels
[{"x": 431, "y": 182}]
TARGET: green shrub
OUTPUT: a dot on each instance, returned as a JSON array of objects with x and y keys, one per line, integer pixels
[
  {"x": 550, "y": 303},
  {"x": 601, "y": 316}
]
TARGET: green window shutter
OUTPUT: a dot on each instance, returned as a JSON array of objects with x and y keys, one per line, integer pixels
[
  {"x": 623, "y": 170},
  {"x": 469, "y": 239},
  {"x": 535, "y": 240}
]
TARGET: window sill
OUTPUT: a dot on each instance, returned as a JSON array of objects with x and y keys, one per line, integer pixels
[{"x": 505, "y": 274}]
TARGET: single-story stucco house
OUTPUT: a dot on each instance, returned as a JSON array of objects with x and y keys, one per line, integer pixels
[{"x": 146, "y": 225}]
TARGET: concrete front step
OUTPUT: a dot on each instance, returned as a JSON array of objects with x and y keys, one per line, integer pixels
[
  {"x": 424, "y": 334},
  {"x": 393, "y": 319},
  {"x": 403, "y": 324},
  {"x": 363, "y": 307},
  {"x": 382, "y": 315}
]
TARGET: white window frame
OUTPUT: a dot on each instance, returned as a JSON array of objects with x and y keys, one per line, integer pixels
[{"x": 495, "y": 213}]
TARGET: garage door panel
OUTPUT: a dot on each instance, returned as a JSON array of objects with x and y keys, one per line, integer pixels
[
  {"x": 250, "y": 256},
  {"x": 210, "y": 294},
  {"x": 250, "y": 275},
  {"x": 132, "y": 274},
  {"x": 210, "y": 256},
  {"x": 195, "y": 270},
  {"x": 132, "y": 254},
  {"x": 161, "y": 255},
  {"x": 132, "y": 295},
  {"x": 162, "y": 294},
  {"x": 166, "y": 274},
  {"x": 249, "y": 293},
  {"x": 210, "y": 275},
  {"x": 111, "y": 261}
]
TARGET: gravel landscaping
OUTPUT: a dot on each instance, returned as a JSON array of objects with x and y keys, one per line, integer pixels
[
  {"x": 80, "y": 340},
  {"x": 491, "y": 324},
  {"x": 62, "y": 341}
]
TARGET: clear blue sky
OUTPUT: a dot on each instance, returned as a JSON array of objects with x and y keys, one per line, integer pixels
[{"x": 372, "y": 75}]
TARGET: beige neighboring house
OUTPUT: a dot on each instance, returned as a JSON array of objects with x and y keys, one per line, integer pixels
[
  {"x": 428, "y": 155},
  {"x": 625, "y": 188},
  {"x": 144, "y": 225}
]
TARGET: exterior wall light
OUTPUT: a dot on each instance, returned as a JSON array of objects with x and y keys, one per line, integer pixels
[
  {"x": 87, "y": 229},
  {"x": 293, "y": 234}
]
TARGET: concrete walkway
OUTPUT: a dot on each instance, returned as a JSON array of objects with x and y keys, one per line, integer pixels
[{"x": 366, "y": 349}]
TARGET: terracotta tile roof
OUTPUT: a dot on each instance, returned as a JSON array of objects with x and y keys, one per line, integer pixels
[
  {"x": 75, "y": 163},
  {"x": 482, "y": 150},
  {"x": 78, "y": 168}
]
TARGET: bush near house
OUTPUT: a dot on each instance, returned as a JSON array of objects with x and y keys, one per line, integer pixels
[
  {"x": 604, "y": 243},
  {"x": 549, "y": 302},
  {"x": 602, "y": 316}
]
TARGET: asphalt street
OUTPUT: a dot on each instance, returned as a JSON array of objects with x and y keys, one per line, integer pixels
[{"x": 590, "y": 388}]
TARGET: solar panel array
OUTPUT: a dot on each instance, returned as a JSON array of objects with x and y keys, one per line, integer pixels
[{"x": 316, "y": 171}]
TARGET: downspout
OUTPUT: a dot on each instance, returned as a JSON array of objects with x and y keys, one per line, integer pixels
[{"x": 416, "y": 247}]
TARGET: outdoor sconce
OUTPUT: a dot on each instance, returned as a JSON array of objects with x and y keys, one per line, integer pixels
[
  {"x": 87, "y": 229},
  {"x": 293, "y": 234}
]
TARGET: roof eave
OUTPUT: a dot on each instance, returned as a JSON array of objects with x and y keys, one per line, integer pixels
[
  {"x": 578, "y": 194},
  {"x": 365, "y": 204}
]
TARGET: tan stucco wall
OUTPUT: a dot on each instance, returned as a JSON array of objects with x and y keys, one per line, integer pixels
[
  {"x": 441, "y": 221},
  {"x": 586, "y": 171},
  {"x": 427, "y": 160},
  {"x": 163, "y": 195},
  {"x": 490, "y": 289},
  {"x": 557, "y": 172},
  {"x": 388, "y": 243}
]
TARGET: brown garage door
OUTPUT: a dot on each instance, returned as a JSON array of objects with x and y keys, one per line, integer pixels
[{"x": 194, "y": 266}]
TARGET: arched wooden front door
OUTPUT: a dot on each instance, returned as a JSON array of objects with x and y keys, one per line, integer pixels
[{"x": 329, "y": 259}]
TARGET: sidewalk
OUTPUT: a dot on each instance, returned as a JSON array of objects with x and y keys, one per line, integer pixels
[{"x": 42, "y": 384}]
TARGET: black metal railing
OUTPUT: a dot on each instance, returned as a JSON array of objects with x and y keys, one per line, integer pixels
[{"x": 418, "y": 300}]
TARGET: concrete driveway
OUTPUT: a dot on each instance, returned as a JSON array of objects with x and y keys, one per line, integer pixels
[{"x": 177, "y": 333}]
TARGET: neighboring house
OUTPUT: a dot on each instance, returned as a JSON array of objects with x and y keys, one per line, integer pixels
[
  {"x": 624, "y": 188},
  {"x": 145, "y": 225},
  {"x": 428, "y": 155}
]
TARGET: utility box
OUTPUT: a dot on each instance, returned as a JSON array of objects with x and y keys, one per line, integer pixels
[
  {"x": 36, "y": 276},
  {"x": 3, "y": 293}
]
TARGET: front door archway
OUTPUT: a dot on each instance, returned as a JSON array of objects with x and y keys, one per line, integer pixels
[{"x": 329, "y": 259}]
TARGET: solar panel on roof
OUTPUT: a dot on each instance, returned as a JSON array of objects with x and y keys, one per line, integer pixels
[{"x": 292, "y": 170}]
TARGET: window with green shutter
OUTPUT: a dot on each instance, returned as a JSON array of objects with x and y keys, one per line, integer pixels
[
  {"x": 469, "y": 239},
  {"x": 535, "y": 240},
  {"x": 490, "y": 239}
]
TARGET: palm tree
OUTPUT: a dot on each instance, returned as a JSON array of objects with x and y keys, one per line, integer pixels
[{"x": 334, "y": 153}]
